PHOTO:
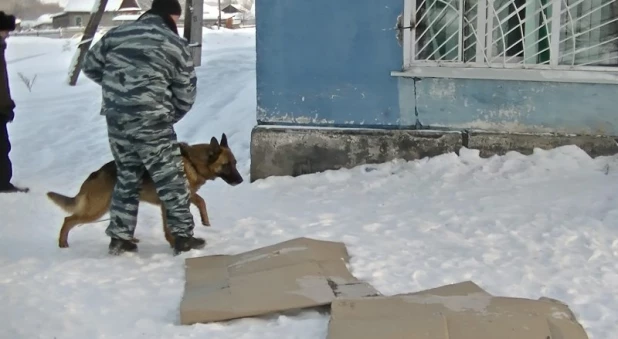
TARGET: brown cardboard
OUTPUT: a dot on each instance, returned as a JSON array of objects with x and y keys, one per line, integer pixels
[
  {"x": 458, "y": 311},
  {"x": 296, "y": 274}
]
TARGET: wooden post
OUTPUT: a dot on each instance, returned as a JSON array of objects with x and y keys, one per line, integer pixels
[
  {"x": 197, "y": 23},
  {"x": 219, "y": 3},
  {"x": 188, "y": 10},
  {"x": 95, "y": 18}
]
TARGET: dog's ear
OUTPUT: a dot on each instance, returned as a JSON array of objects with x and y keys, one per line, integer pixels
[
  {"x": 223, "y": 140},
  {"x": 214, "y": 143},
  {"x": 214, "y": 150}
]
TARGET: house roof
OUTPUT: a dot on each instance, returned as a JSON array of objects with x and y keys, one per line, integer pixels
[
  {"x": 210, "y": 11},
  {"x": 126, "y": 17},
  {"x": 238, "y": 7},
  {"x": 146, "y": 4},
  {"x": 53, "y": 15},
  {"x": 45, "y": 19},
  {"x": 87, "y": 5},
  {"x": 215, "y": 16}
]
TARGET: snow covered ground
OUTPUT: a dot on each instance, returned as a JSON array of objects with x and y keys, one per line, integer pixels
[{"x": 528, "y": 226}]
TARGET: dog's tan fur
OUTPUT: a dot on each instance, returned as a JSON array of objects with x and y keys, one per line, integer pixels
[{"x": 202, "y": 162}]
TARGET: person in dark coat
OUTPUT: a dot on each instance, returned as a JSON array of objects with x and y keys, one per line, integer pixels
[{"x": 7, "y": 107}]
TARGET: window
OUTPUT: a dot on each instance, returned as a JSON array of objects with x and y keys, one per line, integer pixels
[
  {"x": 542, "y": 40},
  {"x": 78, "y": 21}
]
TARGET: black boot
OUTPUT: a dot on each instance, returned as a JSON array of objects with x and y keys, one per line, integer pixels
[
  {"x": 185, "y": 244},
  {"x": 10, "y": 188},
  {"x": 119, "y": 246}
]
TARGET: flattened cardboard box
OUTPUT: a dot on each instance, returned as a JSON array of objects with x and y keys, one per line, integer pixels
[
  {"x": 458, "y": 311},
  {"x": 296, "y": 274}
]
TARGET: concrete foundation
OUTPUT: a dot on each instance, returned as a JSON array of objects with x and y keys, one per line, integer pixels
[
  {"x": 499, "y": 143},
  {"x": 294, "y": 151}
]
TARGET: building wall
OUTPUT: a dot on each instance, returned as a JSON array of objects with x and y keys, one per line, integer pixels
[
  {"x": 328, "y": 63},
  {"x": 70, "y": 19},
  {"x": 44, "y": 26},
  {"x": 517, "y": 106},
  {"x": 61, "y": 21}
]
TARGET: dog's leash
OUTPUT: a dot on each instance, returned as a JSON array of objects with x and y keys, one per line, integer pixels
[{"x": 95, "y": 222}]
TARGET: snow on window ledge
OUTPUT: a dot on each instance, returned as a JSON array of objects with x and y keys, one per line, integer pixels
[{"x": 515, "y": 74}]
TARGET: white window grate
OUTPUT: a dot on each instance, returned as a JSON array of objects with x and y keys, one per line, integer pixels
[{"x": 512, "y": 34}]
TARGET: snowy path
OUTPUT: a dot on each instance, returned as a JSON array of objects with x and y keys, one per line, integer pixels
[{"x": 545, "y": 224}]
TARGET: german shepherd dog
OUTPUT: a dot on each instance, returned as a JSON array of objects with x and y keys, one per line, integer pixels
[{"x": 202, "y": 162}]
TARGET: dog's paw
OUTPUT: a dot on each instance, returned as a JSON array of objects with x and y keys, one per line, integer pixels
[
  {"x": 63, "y": 244},
  {"x": 206, "y": 223},
  {"x": 135, "y": 240}
]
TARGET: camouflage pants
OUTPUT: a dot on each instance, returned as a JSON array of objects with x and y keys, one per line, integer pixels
[{"x": 155, "y": 153}]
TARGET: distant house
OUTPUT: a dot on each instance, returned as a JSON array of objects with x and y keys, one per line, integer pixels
[
  {"x": 45, "y": 21},
  {"x": 146, "y": 4},
  {"x": 231, "y": 15},
  {"x": 239, "y": 16},
  {"x": 228, "y": 19},
  {"x": 77, "y": 13},
  {"x": 233, "y": 8},
  {"x": 125, "y": 18}
]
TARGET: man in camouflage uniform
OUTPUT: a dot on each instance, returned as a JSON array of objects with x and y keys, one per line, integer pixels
[{"x": 148, "y": 82}]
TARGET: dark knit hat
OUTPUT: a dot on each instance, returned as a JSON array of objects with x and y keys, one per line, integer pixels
[
  {"x": 7, "y": 22},
  {"x": 169, "y": 7}
]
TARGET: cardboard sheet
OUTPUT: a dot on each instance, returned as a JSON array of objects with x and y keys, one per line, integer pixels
[
  {"x": 296, "y": 274},
  {"x": 458, "y": 311}
]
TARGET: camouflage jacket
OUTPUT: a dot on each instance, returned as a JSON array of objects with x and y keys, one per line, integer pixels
[
  {"x": 145, "y": 71},
  {"x": 6, "y": 103}
]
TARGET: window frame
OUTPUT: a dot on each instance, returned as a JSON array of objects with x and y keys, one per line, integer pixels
[{"x": 552, "y": 72}]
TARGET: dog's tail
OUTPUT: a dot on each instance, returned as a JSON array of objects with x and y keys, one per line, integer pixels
[{"x": 68, "y": 204}]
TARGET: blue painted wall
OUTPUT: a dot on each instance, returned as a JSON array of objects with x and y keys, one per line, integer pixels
[
  {"x": 328, "y": 63},
  {"x": 522, "y": 106}
]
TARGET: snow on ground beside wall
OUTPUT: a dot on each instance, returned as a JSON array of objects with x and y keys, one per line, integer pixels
[{"x": 527, "y": 226}]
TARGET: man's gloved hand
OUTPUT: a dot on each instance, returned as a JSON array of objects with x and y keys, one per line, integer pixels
[
  {"x": 10, "y": 116},
  {"x": 7, "y": 113}
]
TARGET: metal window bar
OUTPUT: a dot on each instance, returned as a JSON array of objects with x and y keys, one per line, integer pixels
[
  {"x": 431, "y": 29},
  {"x": 460, "y": 31},
  {"x": 481, "y": 24},
  {"x": 515, "y": 14},
  {"x": 408, "y": 35},
  {"x": 529, "y": 42},
  {"x": 515, "y": 28},
  {"x": 544, "y": 34},
  {"x": 468, "y": 39},
  {"x": 554, "y": 45}
]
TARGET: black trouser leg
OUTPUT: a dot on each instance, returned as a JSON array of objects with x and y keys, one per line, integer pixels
[{"x": 6, "y": 168}]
